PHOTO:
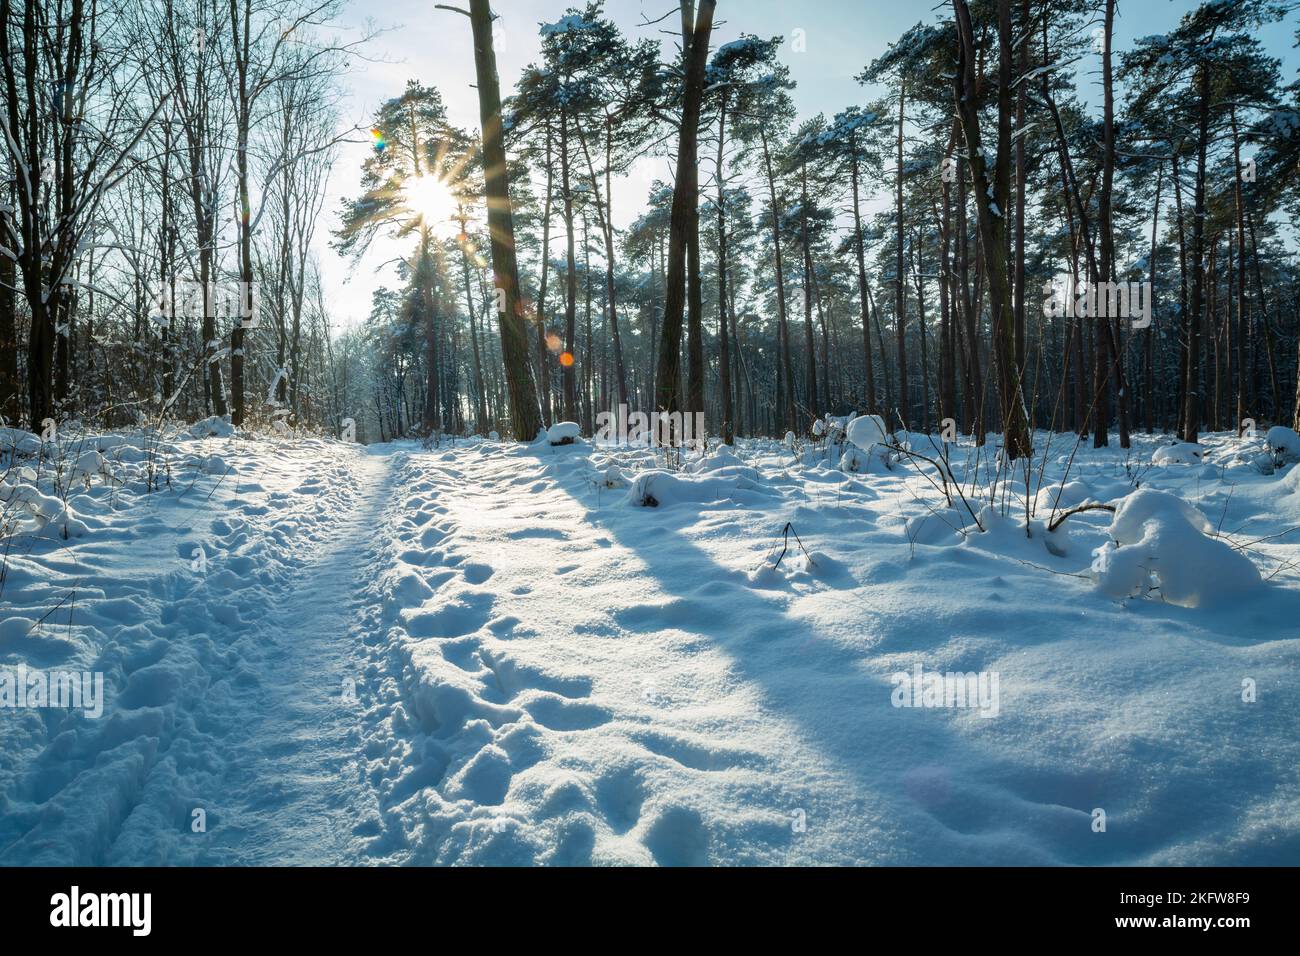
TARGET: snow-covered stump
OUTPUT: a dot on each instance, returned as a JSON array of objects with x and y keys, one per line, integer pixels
[
  {"x": 1162, "y": 544},
  {"x": 1283, "y": 445},
  {"x": 656, "y": 488},
  {"x": 867, "y": 430},
  {"x": 563, "y": 433},
  {"x": 1184, "y": 453},
  {"x": 866, "y": 448}
]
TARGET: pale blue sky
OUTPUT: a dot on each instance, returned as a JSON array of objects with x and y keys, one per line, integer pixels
[{"x": 841, "y": 37}]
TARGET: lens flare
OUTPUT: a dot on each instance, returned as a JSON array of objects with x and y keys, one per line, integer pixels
[
  {"x": 566, "y": 359},
  {"x": 378, "y": 141}
]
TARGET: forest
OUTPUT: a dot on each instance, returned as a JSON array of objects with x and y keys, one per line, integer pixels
[{"x": 925, "y": 254}]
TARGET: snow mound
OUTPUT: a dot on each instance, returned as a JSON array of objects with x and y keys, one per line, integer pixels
[
  {"x": 129, "y": 449},
  {"x": 89, "y": 464},
  {"x": 1161, "y": 544},
  {"x": 653, "y": 489},
  {"x": 1283, "y": 444},
  {"x": 563, "y": 433},
  {"x": 1185, "y": 453},
  {"x": 793, "y": 567},
  {"x": 867, "y": 430},
  {"x": 30, "y": 511},
  {"x": 20, "y": 442},
  {"x": 856, "y": 459},
  {"x": 218, "y": 426},
  {"x": 214, "y": 465},
  {"x": 1066, "y": 494},
  {"x": 724, "y": 460}
]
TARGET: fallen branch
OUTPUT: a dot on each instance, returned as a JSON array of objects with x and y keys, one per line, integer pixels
[{"x": 1078, "y": 509}]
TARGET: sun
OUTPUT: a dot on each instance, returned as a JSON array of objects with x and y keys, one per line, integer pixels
[{"x": 431, "y": 200}]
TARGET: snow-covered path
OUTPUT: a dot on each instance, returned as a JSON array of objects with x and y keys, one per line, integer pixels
[
  {"x": 292, "y": 787},
  {"x": 222, "y": 619}
]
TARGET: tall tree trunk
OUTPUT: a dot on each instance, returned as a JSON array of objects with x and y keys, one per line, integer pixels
[
  {"x": 969, "y": 321},
  {"x": 900, "y": 282},
  {"x": 480, "y": 397},
  {"x": 543, "y": 348},
  {"x": 947, "y": 363},
  {"x": 694, "y": 301},
  {"x": 990, "y": 196},
  {"x": 1243, "y": 319},
  {"x": 1275, "y": 394},
  {"x": 785, "y": 372},
  {"x": 1192, "y": 393},
  {"x": 611, "y": 289},
  {"x": 809, "y": 343},
  {"x": 589, "y": 352},
  {"x": 728, "y": 430},
  {"x": 40, "y": 340},
  {"x": 10, "y": 387},
  {"x": 1021, "y": 97},
  {"x": 525, "y": 420},
  {"x": 1183, "y": 325},
  {"x": 569, "y": 360},
  {"x": 1148, "y": 338},
  {"x": 1101, "y": 321},
  {"x": 920, "y": 319},
  {"x": 825, "y": 356},
  {"x": 684, "y": 216},
  {"x": 426, "y": 281},
  {"x": 247, "y": 318},
  {"x": 860, "y": 252},
  {"x": 604, "y": 218}
]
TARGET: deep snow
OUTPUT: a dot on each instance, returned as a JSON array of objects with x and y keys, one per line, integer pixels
[{"x": 491, "y": 653}]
